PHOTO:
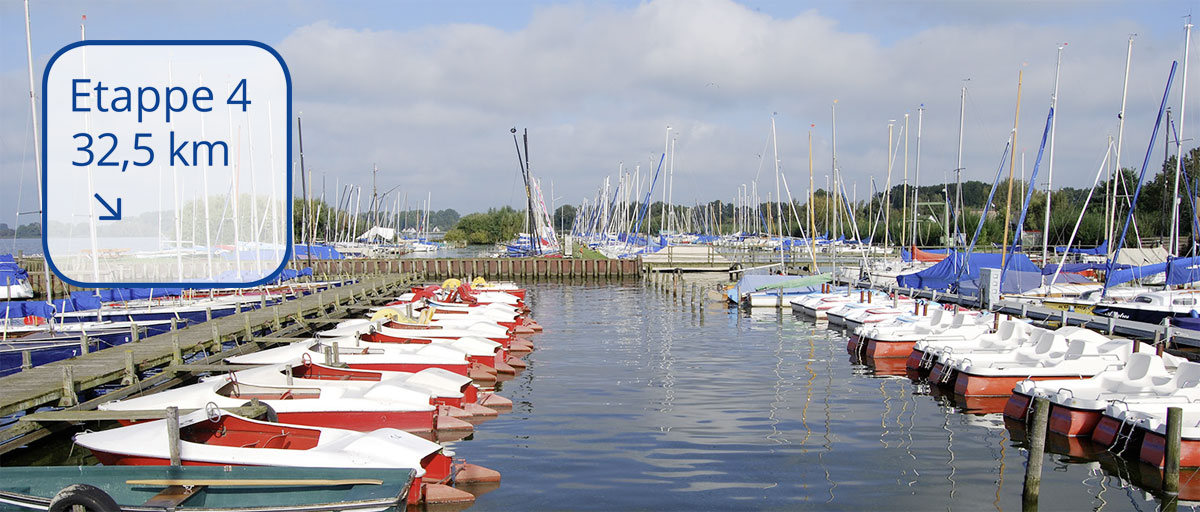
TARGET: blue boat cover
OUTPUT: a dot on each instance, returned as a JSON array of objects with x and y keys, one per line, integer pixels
[
  {"x": 1119, "y": 276},
  {"x": 319, "y": 252},
  {"x": 1022, "y": 274},
  {"x": 10, "y": 272},
  {"x": 1183, "y": 270}
]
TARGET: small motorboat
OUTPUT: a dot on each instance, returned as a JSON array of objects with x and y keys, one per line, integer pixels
[{"x": 207, "y": 488}]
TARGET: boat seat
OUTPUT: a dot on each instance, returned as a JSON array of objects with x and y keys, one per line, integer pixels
[{"x": 278, "y": 441}]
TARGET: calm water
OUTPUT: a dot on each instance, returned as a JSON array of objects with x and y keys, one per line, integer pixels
[{"x": 633, "y": 402}]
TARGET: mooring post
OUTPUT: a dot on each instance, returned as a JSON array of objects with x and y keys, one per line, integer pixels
[
  {"x": 337, "y": 357},
  {"x": 176, "y": 351},
  {"x": 84, "y": 343},
  {"x": 130, "y": 377},
  {"x": 216, "y": 338},
  {"x": 1037, "y": 450},
  {"x": 1171, "y": 464},
  {"x": 275, "y": 311},
  {"x": 249, "y": 331},
  {"x": 26, "y": 360},
  {"x": 208, "y": 314},
  {"x": 133, "y": 332},
  {"x": 173, "y": 434},
  {"x": 68, "y": 387},
  {"x": 328, "y": 356},
  {"x": 287, "y": 371}
]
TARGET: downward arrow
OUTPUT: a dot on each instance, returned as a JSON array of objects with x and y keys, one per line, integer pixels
[{"x": 112, "y": 214}]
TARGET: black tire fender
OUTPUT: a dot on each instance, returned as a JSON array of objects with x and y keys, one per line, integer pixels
[{"x": 91, "y": 498}]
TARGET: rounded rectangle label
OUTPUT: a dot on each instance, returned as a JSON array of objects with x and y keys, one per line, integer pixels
[{"x": 166, "y": 163}]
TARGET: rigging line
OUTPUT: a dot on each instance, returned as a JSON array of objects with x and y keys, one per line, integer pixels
[{"x": 21, "y": 186}]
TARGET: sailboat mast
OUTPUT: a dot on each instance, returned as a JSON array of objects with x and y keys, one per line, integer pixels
[
  {"x": 1178, "y": 137},
  {"x": 837, "y": 198},
  {"x": 887, "y": 192},
  {"x": 1012, "y": 162},
  {"x": 304, "y": 191},
  {"x": 37, "y": 151},
  {"x": 812, "y": 228},
  {"x": 1116, "y": 171},
  {"x": 958, "y": 168},
  {"x": 904, "y": 198},
  {"x": 778, "y": 198},
  {"x": 1050, "y": 158},
  {"x": 917, "y": 175}
]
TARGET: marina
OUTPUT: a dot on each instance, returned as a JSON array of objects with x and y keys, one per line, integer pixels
[{"x": 201, "y": 315}]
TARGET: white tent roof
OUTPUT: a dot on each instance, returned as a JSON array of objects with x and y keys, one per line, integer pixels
[{"x": 378, "y": 232}]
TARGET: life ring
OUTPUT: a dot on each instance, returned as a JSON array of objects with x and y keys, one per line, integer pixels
[{"x": 88, "y": 497}]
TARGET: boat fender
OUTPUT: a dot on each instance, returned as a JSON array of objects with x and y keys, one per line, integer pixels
[
  {"x": 90, "y": 498},
  {"x": 270, "y": 414}
]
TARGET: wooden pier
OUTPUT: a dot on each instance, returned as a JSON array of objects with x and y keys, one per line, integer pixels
[
  {"x": 59, "y": 384},
  {"x": 425, "y": 268},
  {"x": 488, "y": 268}
]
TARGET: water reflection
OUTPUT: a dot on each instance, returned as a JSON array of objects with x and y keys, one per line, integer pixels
[{"x": 630, "y": 403}]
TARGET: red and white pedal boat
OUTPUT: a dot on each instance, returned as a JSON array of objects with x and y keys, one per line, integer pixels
[
  {"x": 445, "y": 388},
  {"x": 1076, "y": 406},
  {"x": 393, "y": 357},
  {"x": 212, "y": 437},
  {"x": 1068, "y": 353},
  {"x": 964, "y": 325},
  {"x": 321, "y": 404},
  {"x": 1009, "y": 335}
]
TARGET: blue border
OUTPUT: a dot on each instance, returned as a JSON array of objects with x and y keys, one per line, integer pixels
[{"x": 287, "y": 76}]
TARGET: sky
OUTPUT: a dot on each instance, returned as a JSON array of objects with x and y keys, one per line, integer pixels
[{"x": 427, "y": 91}]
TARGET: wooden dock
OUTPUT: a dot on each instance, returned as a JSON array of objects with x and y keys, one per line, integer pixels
[{"x": 60, "y": 383}]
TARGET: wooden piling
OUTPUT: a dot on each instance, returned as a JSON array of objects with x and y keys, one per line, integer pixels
[
  {"x": 1037, "y": 450},
  {"x": 69, "y": 397},
  {"x": 130, "y": 376},
  {"x": 1172, "y": 451},
  {"x": 173, "y": 434}
]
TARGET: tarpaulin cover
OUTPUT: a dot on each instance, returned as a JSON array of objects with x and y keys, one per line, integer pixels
[
  {"x": 1129, "y": 274},
  {"x": 10, "y": 272},
  {"x": 22, "y": 308},
  {"x": 1022, "y": 274},
  {"x": 1183, "y": 270},
  {"x": 319, "y": 252}
]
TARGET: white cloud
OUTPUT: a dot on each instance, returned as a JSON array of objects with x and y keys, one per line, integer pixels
[{"x": 597, "y": 84}]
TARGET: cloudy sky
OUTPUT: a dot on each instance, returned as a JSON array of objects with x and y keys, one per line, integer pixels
[{"x": 428, "y": 92}]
